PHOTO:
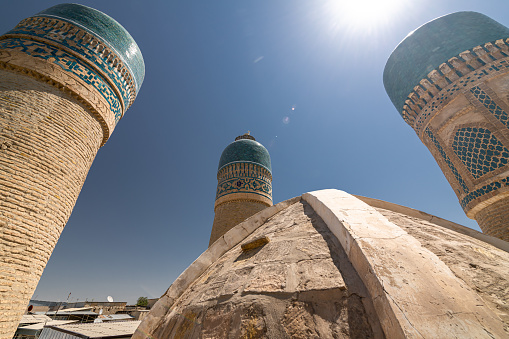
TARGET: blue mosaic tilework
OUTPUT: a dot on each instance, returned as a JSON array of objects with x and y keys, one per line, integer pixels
[
  {"x": 432, "y": 44},
  {"x": 68, "y": 63},
  {"x": 479, "y": 150},
  {"x": 447, "y": 160},
  {"x": 245, "y": 150},
  {"x": 483, "y": 191},
  {"x": 495, "y": 109},
  {"x": 107, "y": 29},
  {"x": 75, "y": 42},
  {"x": 245, "y": 185}
]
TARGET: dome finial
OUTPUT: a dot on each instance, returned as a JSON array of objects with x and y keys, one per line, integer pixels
[{"x": 245, "y": 136}]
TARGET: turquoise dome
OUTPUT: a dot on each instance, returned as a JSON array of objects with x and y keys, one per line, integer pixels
[
  {"x": 107, "y": 30},
  {"x": 245, "y": 150},
  {"x": 432, "y": 44}
]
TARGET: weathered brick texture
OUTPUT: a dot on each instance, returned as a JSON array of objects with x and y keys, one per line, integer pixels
[
  {"x": 48, "y": 141},
  {"x": 62, "y": 92},
  {"x": 232, "y": 213},
  {"x": 493, "y": 219}
]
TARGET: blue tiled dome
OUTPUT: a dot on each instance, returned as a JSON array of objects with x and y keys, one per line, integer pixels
[
  {"x": 432, "y": 44},
  {"x": 245, "y": 150},
  {"x": 106, "y": 29}
]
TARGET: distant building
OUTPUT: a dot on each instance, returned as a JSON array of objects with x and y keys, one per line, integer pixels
[
  {"x": 102, "y": 307},
  {"x": 31, "y": 325},
  {"x": 82, "y": 315},
  {"x": 114, "y": 317},
  {"x": 117, "y": 330}
]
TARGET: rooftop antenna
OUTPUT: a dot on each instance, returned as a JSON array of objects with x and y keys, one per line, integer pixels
[{"x": 66, "y": 304}]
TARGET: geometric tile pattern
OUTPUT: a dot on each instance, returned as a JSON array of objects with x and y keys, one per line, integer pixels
[
  {"x": 244, "y": 185},
  {"x": 483, "y": 191},
  {"x": 78, "y": 41},
  {"x": 68, "y": 63},
  {"x": 479, "y": 150},
  {"x": 244, "y": 178},
  {"x": 495, "y": 109},
  {"x": 447, "y": 160}
]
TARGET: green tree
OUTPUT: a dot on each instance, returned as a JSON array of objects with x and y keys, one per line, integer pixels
[{"x": 142, "y": 301}]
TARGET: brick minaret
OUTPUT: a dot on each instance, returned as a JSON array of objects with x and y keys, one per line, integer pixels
[
  {"x": 244, "y": 184},
  {"x": 67, "y": 76},
  {"x": 449, "y": 80}
]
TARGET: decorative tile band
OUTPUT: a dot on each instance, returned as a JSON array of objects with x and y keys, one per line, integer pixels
[
  {"x": 242, "y": 169},
  {"x": 479, "y": 150},
  {"x": 483, "y": 191},
  {"x": 67, "y": 63},
  {"x": 447, "y": 160},
  {"x": 491, "y": 105},
  {"x": 244, "y": 185},
  {"x": 85, "y": 45},
  {"x": 457, "y": 73},
  {"x": 244, "y": 178}
]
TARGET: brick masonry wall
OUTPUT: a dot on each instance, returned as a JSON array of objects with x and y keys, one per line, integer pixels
[
  {"x": 48, "y": 141},
  {"x": 493, "y": 219},
  {"x": 243, "y": 189},
  {"x": 232, "y": 213}
]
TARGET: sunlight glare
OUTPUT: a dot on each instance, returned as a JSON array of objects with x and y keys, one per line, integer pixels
[{"x": 364, "y": 15}]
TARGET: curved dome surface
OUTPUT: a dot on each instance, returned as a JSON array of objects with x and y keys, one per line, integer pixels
[
  {"x": 105, "y": 28},
  {"x": 245, "y": 150},
  {"x": 432, "y": 44}
]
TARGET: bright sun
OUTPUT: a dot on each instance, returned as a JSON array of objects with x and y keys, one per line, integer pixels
[{"x": 365, "y": 15}]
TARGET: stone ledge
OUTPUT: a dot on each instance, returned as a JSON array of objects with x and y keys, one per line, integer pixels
[
  {"x": 498, "y": 243},
  {"x": 414, "y": 293}
]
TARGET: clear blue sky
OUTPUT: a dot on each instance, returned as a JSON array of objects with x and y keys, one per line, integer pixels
[{"x": 214, "y": 70}]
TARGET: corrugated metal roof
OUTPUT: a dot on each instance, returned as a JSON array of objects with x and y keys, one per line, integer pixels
[
  {"x": 34, "y": 319},
  {"x": 75, "y": 309},
  {"x": 39, "y": 326},
  {"x": 97, "y": 330},
  {"x": 115, "y": 317},
  {"x": 60, "y": 312}
]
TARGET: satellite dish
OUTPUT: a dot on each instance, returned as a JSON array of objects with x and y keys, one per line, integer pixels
[{"x": 110, "y": 299}]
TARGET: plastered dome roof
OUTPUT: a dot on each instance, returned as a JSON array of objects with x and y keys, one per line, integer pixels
[
  {"x": 106, "y": 29},
  {"x": 432, "y": 44},
  {"x": 245, "y": 149}
]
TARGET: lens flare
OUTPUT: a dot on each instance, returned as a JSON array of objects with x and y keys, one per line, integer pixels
[{"x": 364, "y": 15}]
